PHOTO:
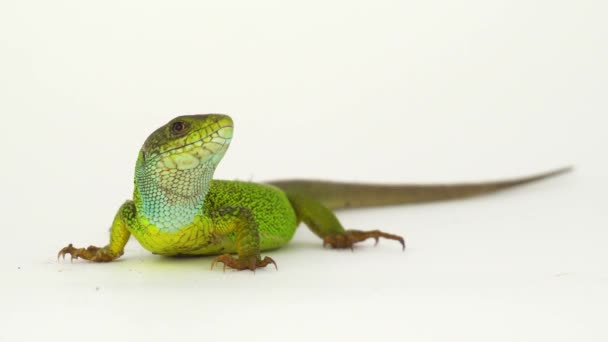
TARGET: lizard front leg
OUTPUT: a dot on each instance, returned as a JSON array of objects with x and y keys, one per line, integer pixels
[
  {"x": 241, "y": 221},
  {"x": 119, "y": 235}
]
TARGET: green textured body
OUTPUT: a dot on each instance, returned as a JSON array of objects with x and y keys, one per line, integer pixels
[
  {"x": 178, "y": 209},
  {"x": 211, "y": 234}
]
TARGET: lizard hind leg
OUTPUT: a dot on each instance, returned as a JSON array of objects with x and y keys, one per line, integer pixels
[{"x": 324, "y": 223}]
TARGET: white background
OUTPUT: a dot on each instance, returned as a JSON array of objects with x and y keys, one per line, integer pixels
[{"x": 382, "y": 91}]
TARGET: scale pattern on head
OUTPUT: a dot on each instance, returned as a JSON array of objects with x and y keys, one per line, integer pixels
[{"x": 175, "y": 166}]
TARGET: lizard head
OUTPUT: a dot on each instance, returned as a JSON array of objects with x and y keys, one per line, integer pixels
[
  {"x": 176, "y": 165},
  {"x": 188, "y": 141}
]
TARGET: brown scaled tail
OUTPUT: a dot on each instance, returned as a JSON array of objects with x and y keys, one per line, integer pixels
[{"x": 336, "y": 195}]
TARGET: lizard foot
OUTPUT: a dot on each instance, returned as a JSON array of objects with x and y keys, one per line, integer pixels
[
  {"x": 350, "y": 237},
  {"x": 250, "y": 263},
  {"x": 91, "y": 253}
]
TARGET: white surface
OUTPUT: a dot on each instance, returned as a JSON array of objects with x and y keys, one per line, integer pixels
[{"x": 428, "y": 91}]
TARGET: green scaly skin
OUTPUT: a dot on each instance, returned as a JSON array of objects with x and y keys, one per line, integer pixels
[{"x": 178, "y": 209}]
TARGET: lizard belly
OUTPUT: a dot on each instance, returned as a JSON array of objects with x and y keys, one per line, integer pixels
[{"x": 191, "y": 239}]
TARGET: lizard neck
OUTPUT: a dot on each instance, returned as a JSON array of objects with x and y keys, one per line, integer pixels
[{"x": 170, "y": 199}]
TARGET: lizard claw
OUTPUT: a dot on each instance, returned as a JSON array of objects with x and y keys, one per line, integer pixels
[
  {"x": 350, "y": 237},
  {"x": 91, "y": 253},
  {"x": 243, "y": 263},
  {"x": 66, "y": 250}
]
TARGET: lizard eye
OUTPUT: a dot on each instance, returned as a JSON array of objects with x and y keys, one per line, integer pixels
[{"x": 178, "y": 127}]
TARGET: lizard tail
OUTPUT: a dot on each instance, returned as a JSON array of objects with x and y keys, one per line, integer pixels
[{"x": 337, "y": 195}]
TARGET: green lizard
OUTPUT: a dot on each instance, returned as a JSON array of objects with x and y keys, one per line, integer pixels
[{"x": 178, "y": 209}]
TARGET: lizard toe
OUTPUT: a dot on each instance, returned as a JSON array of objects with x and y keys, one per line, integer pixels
[
  {"x": 348, "y": 238},
  {"x": 243, "y": 263}
]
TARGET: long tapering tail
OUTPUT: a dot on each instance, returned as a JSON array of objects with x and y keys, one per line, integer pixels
[{"x": 337, "y": 195}]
